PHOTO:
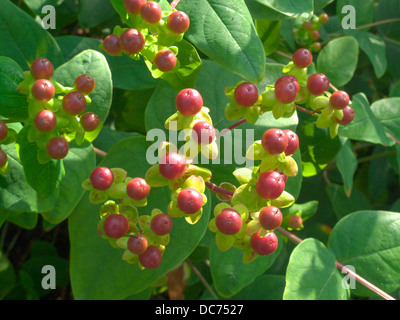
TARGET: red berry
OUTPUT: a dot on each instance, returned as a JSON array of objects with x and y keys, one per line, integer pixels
[
  {"x": 3, "y": 158},
  {"x": 348, "y": 116},
  {"x": 161, "y": 224},
  {"x": 284, "y": 176},
  {"x": 270, "y": 217},
  {"x": 308, "y": 25},
  {"x": 43, "y": 90},
  {"x": 203, "y": 132},
  {"x": 246, "y": 94},
  {"x": 189, "y": 102},
  {"x": 90, "y": 121},
  {"x": 137, "y": 244},
  {"x": 178, "y": 22},
  {"x": 323, "y": 18},
  {"x": 293, "y": 142},
  {"x": 190, "y": 200},
  {"x": 302, "y": 58},
  {"x": 270, "y": 185},
  {"x": 295, "y": 221},
  {"x": 138, "y": 189},
  {"x": 165, "y": 60},
  {"x": 287, "y": 78},
  {"x": 315, "y": 35},
  {"x": 151, "y": 12},
  {"x": 133, "y": 6},
  {"x": 3, "y": 131},
  {"x": 84, "y": 84},
  {"x": 102, "y": 178},
  {"x": 286, "y": 91},
  {"x": 132, "y": 41},
  {"x": 57, "y": 147},
  {"x": 116, "y": 225},
  {"x": 339, "y": 99},
  {"x": 151, "y": 258},
  {"x": 316, "y": 47},
  {"x": 41, "y": 68},
  {"x": 264, "y": 245},
  {"x": 228, "y": 221},
  {"x": 172, "y": 166},
  {"x": 112, "y": 45},
  {"x": 45, "y": 121},
  {"x": 274, "y": 141},
  {"x": 74, "y": 103},
  {"x": 317, "y": 84}
]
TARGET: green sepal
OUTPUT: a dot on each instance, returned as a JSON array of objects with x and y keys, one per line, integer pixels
[
  {"x": 154, "y": 178},
  {"x": 117, "y": 190},
  {"x": 43, "y": 157},
  {"x": 233, "y": 111},
  {"x": 227, "y": 186},
  {"x": 5, "y": 169},
  {"x": 333, "y": 129},
  {"x": 195, "y": 182},
  {"x": 268, "y": 99},
  {"x": 119, "y": 175},
  {"x": 278, "y": 110},
  {"x": 251, "y": 115},
  {"x": 130, "y": 257},
  {"x": 338, "y": 113},
  {"x": 195, "y": 217},
  {"x": 252, "y": 227},
  {"x": 269, "y": 162},
  {"x": 224, "y": 242},
  {"x": 289, "y": 167},
  {"x": 11, "y": 137},
  {"x": 109, "y": 207},
  {"x": 256, "y": 151},
  {"x": 283, "y": 201},
  {"x": 249, "y": 255},
  {"x": 243, "y": 175},
  {"x": 323, "y": 121},
  {"x": 97, "y": 196},
  {"x": 230, "y": 92},
  {"x": 318, "y": 102}
]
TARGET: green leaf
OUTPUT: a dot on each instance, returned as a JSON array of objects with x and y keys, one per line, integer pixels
[
  {"x": 347, "y": 165},
  {"x": 312, "y": 275},
  {"x": 25, "y": 44},
  {"x": 388, "y": 9},
  {"x": 71, "y": 191},
  {"x": 388, "y": 113},
  {"x": 339, "y": 54},
  {"x": 50, "y": 174},
  {"x": 368, "y": 241},
  {"x": 16, "y": 195},
  {"x": 374, "y": 47},
  {"x": 317, "y": 148},
  {"x": 297, "y": 9},
  {"x": 343, "y": 203},
  {"x": 189, "y": 67},
  {"x": 89, "y": 250},
  {"x": 364, "y": 11},
  {"x": 13, "y": 105},
  {"x": 94, "y": 12},
  {"x": 233, "y": 43},
  {"x": 269, "y": 32},
  {"x": 94, "y": 64},
  {"x": 230, "y": 274},
  {"x": 365, "y": 126}
]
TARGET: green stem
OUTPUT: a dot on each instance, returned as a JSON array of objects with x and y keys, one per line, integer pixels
[
  {"x": 202, "y": 279},
  {"x": 377, "y": 23},
  {"x": 340, "y": 267}
]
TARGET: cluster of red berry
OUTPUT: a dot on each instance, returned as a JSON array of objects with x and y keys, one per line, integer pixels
[
  {"x": 55, "y": 111},
  {"x": 289, "y": 91},
  {"x": 152, "y": 37},
  {"x": 307, "y": 35}
]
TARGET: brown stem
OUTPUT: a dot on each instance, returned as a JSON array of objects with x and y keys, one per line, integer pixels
[
  {"x": 202, "y": 279},
  {"x": 313, "y": 113},
  {"x": 99, "y": 152},
  {"x": 231, "y": 127},
  {"x": 174, "y": 3},
  {"x": 377, "y": 23},
  {"x": 341, "y": 268},
  {"x": 219, "y": 190}
]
